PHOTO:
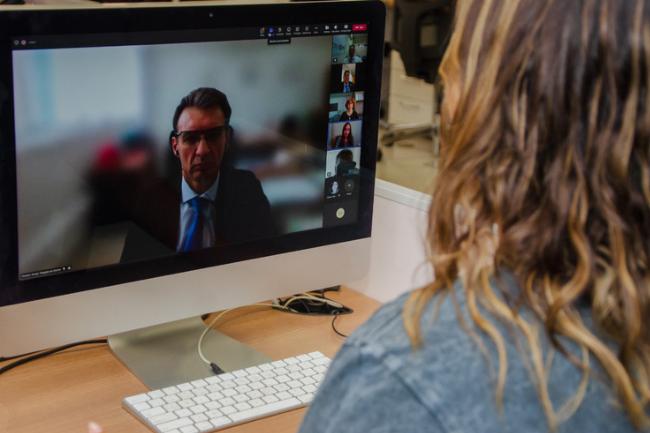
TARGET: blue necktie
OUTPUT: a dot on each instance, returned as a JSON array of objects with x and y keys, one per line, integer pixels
[{"x": 194, "y": 237}]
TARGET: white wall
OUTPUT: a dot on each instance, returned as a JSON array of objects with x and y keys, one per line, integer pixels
[{"x": 398, "y": 260}]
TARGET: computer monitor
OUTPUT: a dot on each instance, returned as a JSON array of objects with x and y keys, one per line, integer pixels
[{"x": 164, "y": 161}]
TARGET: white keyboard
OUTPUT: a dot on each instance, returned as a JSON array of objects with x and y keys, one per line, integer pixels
[{"x": 217, "y": 402}]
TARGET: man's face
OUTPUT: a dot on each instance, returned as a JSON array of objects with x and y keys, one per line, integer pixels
[
  {"x": 346, "y": 76},
  {"x": 198, "y": 147}
]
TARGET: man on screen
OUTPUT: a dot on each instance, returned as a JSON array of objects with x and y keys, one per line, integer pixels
[
  {"x": 218, "y": 203},
  {"x": 347, "y": 85}
]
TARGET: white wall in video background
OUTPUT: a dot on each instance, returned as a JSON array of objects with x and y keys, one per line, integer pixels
[{"x": 69, "y": 103}]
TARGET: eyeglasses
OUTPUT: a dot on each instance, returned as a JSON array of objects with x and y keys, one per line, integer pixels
[{"x": 192, "y": 138}]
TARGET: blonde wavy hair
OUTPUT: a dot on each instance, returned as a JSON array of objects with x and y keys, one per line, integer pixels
[{"x": 545, "y": 172}]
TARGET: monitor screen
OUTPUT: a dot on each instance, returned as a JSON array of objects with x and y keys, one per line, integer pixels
[{"x": 151, "y": 151}]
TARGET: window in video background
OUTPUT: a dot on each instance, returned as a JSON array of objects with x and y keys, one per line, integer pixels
[
  {"x": 344, "y": 134},
  {"x": 346, "y": 106},
  {"x": 83, "y": 111},
  {"x": 350, "y": 48}
]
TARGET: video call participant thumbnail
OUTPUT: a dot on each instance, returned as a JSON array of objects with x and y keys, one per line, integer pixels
[
  {"x": 345, "y": 107},
  {"x": 344, "y": 134},
  {"x": 344, "y": 182},
  {"x": 217, "y": 203},
  {"x": 347, "y": 78},
  {"x": 349, "y": 48}
]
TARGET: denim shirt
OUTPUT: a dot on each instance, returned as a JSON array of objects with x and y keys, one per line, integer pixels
[{"x": 379, "y": 383}]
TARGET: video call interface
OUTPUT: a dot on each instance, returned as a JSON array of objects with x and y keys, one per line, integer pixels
[{"x": 112, "y": 168}]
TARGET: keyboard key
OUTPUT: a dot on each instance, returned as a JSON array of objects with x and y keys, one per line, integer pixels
[
  {"x": 199, "y": 408},
  {"x": 226, "y": 376},
  {"x": 176, "y": 424},
  {"x": 242, "y": 406},
  {"x": 243, "y": 389},
  {"x": 157, "y": 393},
  {"x": 204, "y": 426},
  {"x": 281, "y": 387},
  {"x": 303, "y": 357},
  {"x": 137, "y": 399},
  {"x": 156, "y": 402},
  {"x": 267, "y": 409},
  {"x": 266, "y": 367},
  {"x": 227, "y": 410},
  {"x": 283, "y": 395},
  {"x": 186, "y": 403},
  {"x": 220, "y": 422},
  {"x": 161, "y": 419},
  {"x": 315, "y": 355},
  {"x": 153, "y": 412},
  {"x": 241, "y": 398},
  {"x": 141, "y": 406},
  {"x": 189, "y": 429},
  {"x": 215, "y": 413},
  {"x": 270, "y": 382},
  {"x": 306, "y": 398},
  {"x": 228, "y": 401},
  {"x": 213, "y": 404},
  {"x": 228, "y": 384},
  {"x": 229, "y": 392},
  {"x": 171, "y": 398},
  {"x": 200, "y": 400},
  {"x": 213, "y": 380},
  {"x": 296, "y": 392},
  {"x": 184, "y": 387},
  {"x": 214, "y": 387},
  {"x": 270, "y": 398},
  {"x": 170, "y": 390},
  {"x": 283, "y": 378},
  {"x": 253, "y": 370},
  {"x": 199, "y": 417},
  {"x": 185, "y": 395},
  {"x": 171, "y": 407},
  {"x": 183, "y": 413},
  {"x": 199, "y": 383},
  {"x": 242, "y": 381},
  {"x": 256, "y": 402}
]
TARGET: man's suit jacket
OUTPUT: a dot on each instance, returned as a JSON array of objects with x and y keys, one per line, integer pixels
[{"x": 243, "y": 213}]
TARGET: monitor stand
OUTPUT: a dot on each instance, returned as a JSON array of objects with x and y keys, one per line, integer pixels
[{"x": 165, "y": 355}]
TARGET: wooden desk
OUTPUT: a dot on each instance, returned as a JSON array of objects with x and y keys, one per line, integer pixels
[{"x": 61, "y": 393}]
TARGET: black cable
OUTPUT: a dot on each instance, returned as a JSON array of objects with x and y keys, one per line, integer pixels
[
  {"x": 336, "y": 316},
  {"x": 33, "y": 357},
  {"x": 9, "y": 358}
]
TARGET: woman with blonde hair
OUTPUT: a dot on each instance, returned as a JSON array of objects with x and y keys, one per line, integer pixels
[{"x": 539, "y": 237}]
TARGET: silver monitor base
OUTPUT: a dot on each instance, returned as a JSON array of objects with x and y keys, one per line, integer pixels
[{"x": 166, "y": 354}]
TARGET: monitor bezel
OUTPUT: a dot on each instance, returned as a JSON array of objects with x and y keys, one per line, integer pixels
[{"x": 183, "y": 17}]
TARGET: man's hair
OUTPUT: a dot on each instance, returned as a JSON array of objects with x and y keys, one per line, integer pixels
[{"x": 205, "y": 98}]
